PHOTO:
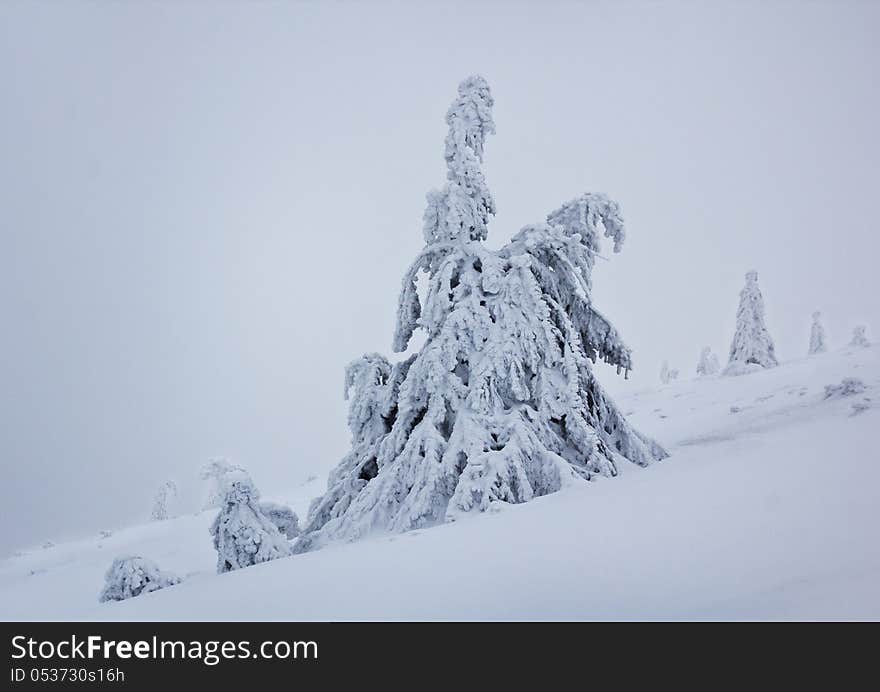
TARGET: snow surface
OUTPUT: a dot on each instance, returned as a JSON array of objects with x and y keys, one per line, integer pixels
[{"x": 767, "y": 508}]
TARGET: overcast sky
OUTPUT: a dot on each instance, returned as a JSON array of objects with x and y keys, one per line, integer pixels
[{"x": 206, "y": 208}]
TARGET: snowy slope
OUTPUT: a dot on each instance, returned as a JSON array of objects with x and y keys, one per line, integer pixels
[{"x": 769, "y": 507}]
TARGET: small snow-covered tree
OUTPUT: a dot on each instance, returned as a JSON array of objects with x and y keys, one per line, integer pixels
[
  {"x": 501, "y": 404},
  {"x": 708, "y": 364},
  {"x": 133, "y": 575},
  {"x": 243, "y": 534},
  {"x": 859, "y": 338},
  {"x": 817, "y": 335},
  {"x": 752, "y": 347},
  {"x": 667, "y": 374},
  {"x": 214, "y": 472},
  {"x": 165, "y": 496},
  {"x": 284, "y": 518}
]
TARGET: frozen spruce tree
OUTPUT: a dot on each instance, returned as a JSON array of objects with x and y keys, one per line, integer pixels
[
  {"x": 752, "y": 347},
  {"x": 817, "y": 335},
  {"x": 708, "y": 364},
  {"x": 859, "y": 338},
  {"x": 243, "y": 534},
  {"x": 165, "y": 496},
  {"x": 501, "y": 403},
  {"x": 133, "y": 575}
]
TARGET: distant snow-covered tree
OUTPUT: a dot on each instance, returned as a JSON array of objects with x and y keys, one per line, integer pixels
[
  {"x": 133, "y": 575},
  {"x": 667, "y": 374},
  {"x": 752, "y": 347},
  {"x": 859, "y": 338},
  {"x": 708, "y": 364},
  {"x": 243, "y": 534},
  {"x": 214, "y": 472},
  {"x": 165, "y": 495},
  {"x": 284, "y": 518},
  {"x": 817, "y": 335},
  {"x": 501, "y": 404}
]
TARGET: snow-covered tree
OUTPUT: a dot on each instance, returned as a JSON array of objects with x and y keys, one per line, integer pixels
[
  {"x": 708, "y": 364},
  {"x": 859, "y": 338},
  {"x": 133, "y": 575},
  {"x": 165, "y": 496},
  {"x": 214, "y": 472},
  {"x": 284, "y": 518},
  {"x": 667, "y": 374},
  {"x": 817, "y": 335},
  {"x": 243, "y": 534},
  {"x": 664, "y": 372},
  {"x": 501, "y": 404},
  {"x": 752, "y": 347}
]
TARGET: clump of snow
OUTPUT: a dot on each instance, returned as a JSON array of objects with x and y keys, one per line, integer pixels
[
  {"x": 859, "y": 338},
  {"x": 501, "y": 404},
  {"x": 284, "y": 518},
  {"x": 752, "y": 347},
  {"x": 817, "y": 335},
  {"x": 131, "y": 576},
  {"x": 849, "y": 386},
  {"x": 739, "y": 368},
  {"x": 243, "y": 534}
]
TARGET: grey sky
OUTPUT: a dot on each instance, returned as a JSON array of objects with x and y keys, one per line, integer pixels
[{"x": 207, "y": 208}]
